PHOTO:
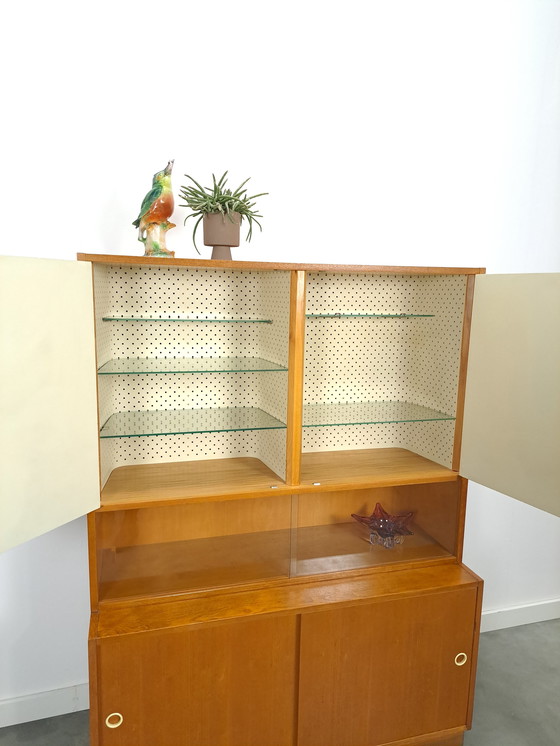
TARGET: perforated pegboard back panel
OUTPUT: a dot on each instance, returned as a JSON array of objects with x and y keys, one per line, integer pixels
[
  {"x": 400, "y": 358},
  {"x": 250, "y": 318},
  {"x": 267, "y": 445},
  {"x": 275, "y": 304},
  {"x": 228, "y": 298},
  {"x": 128, "y": 393},
  {"x": 433, "y": 440}
]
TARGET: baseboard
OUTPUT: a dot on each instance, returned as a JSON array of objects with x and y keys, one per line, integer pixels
[
  {"x": 43, "y": 705},
  {"x": 542, "y": 611}
]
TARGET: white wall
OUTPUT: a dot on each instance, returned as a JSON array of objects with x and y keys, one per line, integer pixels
[{"x": 399, "y": 132}]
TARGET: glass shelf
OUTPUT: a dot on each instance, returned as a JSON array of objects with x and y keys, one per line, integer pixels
[
  {"x": 206, "y": 321},
  {"x": 130, "y": 366},
  {"x": 368, "y": 413},
  {"x": 186, "y": 421},
  {"x": 369, "y": 315}
]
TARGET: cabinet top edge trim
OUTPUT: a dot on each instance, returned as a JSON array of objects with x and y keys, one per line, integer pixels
[
  {"x": 307, "y": 597},
  {"x": 271, "y": 266}
]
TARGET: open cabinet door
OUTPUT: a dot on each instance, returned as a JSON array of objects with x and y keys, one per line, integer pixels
[
  {"x": 49, "y": 467},
  {"x": 511, "y": 435}
]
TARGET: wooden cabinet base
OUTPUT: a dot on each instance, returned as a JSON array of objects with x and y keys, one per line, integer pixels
[{"x": 361, "y": 662}]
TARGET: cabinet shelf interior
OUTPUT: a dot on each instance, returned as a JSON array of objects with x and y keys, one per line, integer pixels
[
  {"x": 198, "y": 564},
  {"x": 186, "y": 421},
  {"x": 177, "y": 320},
  {"x": 130, "y": 366}
]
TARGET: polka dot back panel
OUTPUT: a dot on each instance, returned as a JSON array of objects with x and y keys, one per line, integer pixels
[
  {"x": 409, "y": 359},
  {"x": 161, "y": 295}
]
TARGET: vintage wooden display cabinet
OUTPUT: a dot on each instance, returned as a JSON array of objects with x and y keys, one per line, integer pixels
[{"x": 241, "y": 413}]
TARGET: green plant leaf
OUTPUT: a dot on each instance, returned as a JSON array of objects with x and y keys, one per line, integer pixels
[
  {"x": 238, "y": 191},
  {"x": 194, "y": 233},
  {"x": 195, "y": 182}
]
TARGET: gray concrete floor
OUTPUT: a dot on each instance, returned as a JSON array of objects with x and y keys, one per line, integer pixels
[
  {"x": 65, "y": 730},
  {"x": 517, "y": 696}
]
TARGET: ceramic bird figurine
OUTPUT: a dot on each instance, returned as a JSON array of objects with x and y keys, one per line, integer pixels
[{"x": 157, "y": 208}]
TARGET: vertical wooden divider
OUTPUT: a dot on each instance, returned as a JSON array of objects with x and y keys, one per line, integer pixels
[
  {"x": 465, "y": 339},
  {"x": 91, "y": 523},
  {"x": 295, "y": 376}
]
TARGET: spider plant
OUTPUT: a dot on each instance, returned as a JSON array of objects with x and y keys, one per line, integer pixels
[{"x": 219, "y": 199}]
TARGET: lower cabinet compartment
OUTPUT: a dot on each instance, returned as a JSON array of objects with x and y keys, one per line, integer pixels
[
  {"x": 377, "y": 659},
  {"x": 229, "y": 684},
  {"x": 386, "y": 671},
  {"x": 160, "y": 551}
]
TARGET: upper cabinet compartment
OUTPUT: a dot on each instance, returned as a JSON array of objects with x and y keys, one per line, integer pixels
[
  {"x": 382, "y": 362},
  {"x": 192, "y": 364}
]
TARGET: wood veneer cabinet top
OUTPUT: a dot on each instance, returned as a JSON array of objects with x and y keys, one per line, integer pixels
[
  {"x": 308, "y": 596},
  {"x": 266, "y": 266}
]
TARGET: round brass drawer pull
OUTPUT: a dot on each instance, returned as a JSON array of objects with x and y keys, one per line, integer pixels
[
  {"x": 114, "y": 720},
  {"x": 460, "y": 659}
]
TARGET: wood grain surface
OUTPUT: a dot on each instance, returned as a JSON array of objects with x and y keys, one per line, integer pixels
[
  {"x": 268, "y": 266},
  {"x": 146, "y": 485},
  {"x": 299, "y": 597},
  {"x": 295, "y": 378},
  {"x": 225, "y": 685},
  {"x": 374, "y": 673}
]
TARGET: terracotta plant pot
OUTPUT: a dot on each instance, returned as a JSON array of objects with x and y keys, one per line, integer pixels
[{"x": 221, "y": 233}]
